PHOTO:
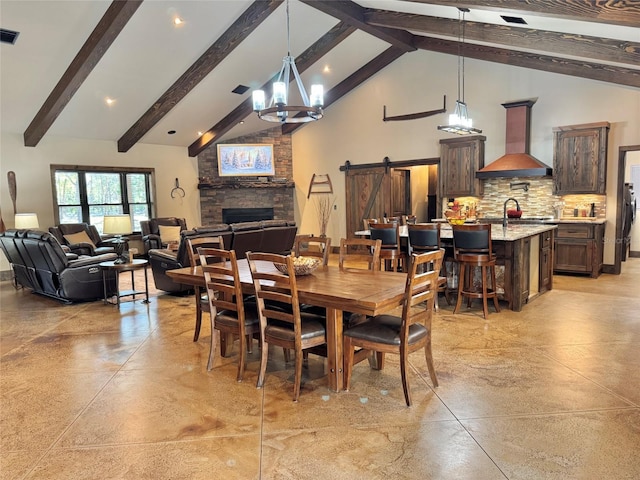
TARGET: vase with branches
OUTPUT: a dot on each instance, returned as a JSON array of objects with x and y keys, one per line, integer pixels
[{"x": 324, "y": 204}]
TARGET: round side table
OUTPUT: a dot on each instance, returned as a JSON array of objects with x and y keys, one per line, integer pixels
[{"x": 136, "y": 264}]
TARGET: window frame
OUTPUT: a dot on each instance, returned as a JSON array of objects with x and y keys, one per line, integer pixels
[{"x": 122, "y": 171}]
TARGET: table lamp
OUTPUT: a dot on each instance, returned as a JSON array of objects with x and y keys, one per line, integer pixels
[
  {"x": 117, "y": 225},
  {"x": 26, "y": 220}
]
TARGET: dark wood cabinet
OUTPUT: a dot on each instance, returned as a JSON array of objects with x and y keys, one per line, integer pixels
[
  {"x": 580, "y": 158},
  {"x": 546, "y": 261},
  {"x": 579, "y": 248},
  {"x": 460, "y": 159}
]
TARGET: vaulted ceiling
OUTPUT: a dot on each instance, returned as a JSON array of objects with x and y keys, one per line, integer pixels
[{"x": 70, "y": 56}]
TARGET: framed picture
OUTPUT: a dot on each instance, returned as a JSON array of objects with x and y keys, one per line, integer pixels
[{"x": 236, "y": 160}]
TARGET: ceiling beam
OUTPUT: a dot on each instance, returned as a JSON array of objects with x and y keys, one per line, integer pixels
[
  {"x": 352, "y": 81},
  {"x": 622, "y": 13},
  {"x": 103, "y": 35},
  {"x": 516, "y": 58},
  {"x": 353, "y": 14},
  {"x": 595, "y": 48},
  {"x": 310, "y": 56},
  {"x": 252, "y": 17}
]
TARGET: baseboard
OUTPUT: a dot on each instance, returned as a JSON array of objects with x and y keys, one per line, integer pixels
[
  {"x": 634, "y": 254},
  {"x": 611, "y": 269},
  {"x": 6, "y": 275}
]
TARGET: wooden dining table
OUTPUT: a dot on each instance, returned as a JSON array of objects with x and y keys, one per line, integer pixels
[{"x": 337, "y": 290}]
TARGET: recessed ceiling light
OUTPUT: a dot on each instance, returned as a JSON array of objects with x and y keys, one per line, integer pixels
[
  {"x": 199, "y": 134},
  {"x": 326, "y": 69},
  {"x": 109, "y": 101},
  {"x": 177, "y": 21},
  {"x": 171, "y": 132}
]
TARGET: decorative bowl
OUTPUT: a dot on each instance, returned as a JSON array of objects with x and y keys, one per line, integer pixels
[
  {"x": 301, "y": 265},
  {"x": 456, "y": 220},
  {"x": 514, "y": 213}
]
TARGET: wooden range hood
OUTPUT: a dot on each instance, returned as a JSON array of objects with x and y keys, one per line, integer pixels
[{"x": 516, "y": 162}]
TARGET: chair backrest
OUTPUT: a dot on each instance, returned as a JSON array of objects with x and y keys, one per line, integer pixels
[
  {"x": 409, "y": 219},
  {"x": 193, "y": 244},
  {"x": 66, "y": 229},
  {"x": 421, "y": 286},
  {"x": 276, "y": 292},
  {"x": 424, "y": 237},
  {"x": 368, "y": 221},
  {"x": 222, "y": 281},
  {"x": 152, "y": 226},
  {"x": 310, "y": 246},
  {"x": 356, "y": 251},
  {"x": 473, "y": 238},
  {"x": 388, "y": 233}
]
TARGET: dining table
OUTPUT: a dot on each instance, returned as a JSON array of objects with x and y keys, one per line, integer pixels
[{"x": 335, "y": 289}]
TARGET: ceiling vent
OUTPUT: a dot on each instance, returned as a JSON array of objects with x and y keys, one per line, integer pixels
[
  {"x": 8, "y": 36},
  {"x": 516, "y": 162},
  {"x": 518, "y": 20}
]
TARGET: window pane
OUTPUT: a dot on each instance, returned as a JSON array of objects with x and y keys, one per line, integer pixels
[
  {"x": 70, "y": 214},
  {"x": 136, "y": 186},
  {"x": 67, "y": 189},
  {"x": 97, "y": 213},
  {"x": 139, "y": 212},
  {"x": 103, "y": 188}
]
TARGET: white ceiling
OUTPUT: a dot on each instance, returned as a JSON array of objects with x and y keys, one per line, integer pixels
[{"x": 151, "y": 53}]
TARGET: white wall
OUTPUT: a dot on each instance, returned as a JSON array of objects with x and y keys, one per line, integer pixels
[
  {"x": 353, "y": 128},
  {"x": 33, "y": 178}
]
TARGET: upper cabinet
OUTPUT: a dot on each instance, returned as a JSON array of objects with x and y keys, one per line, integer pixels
[
  {"x": 460, "y": 159},
  {"x": 580, "y": 158}
]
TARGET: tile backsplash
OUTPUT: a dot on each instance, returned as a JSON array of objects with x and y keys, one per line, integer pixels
[{"x": 537, "y": 201}]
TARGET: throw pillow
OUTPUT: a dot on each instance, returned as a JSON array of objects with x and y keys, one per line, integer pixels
[
  {"x": 169, "y": 234},
  {"x": 80, "y": 237}
]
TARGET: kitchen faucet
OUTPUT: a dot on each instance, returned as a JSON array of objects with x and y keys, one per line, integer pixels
[{"x": 504, "y": 210}]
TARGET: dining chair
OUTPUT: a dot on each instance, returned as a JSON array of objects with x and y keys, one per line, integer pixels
[
  {"x": 388, "y": 333},
  {"x": 390, "y": 252},
  {"x": 409, "y": 219},
  {"x": 202, "y": 300},
  {"x": 310, "y": 246},
  {"x": 368, "y": 221},
  {"x": 354, "y": 252},
  {"x": 425, "y": 237},
  {"x": 472, "y": 249},
  {"x": 286, "y": 327},
  {"x": 229, "y": 313}
]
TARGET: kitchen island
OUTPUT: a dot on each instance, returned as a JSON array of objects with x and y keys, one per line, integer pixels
[{"x": 524, "y": 259}]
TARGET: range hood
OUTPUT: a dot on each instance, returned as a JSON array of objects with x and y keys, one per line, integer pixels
[{"x": 516, "y": 162}]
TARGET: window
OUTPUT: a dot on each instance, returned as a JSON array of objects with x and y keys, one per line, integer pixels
[{"x": 87, "y": 194}]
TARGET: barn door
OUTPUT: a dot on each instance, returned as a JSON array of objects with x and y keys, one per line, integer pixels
[{"x": 368, "y": 195}]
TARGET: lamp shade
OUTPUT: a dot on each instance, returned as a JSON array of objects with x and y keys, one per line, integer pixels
[
  {"x": 117, "y": 224},
  {"x": 26, "y": 220}
]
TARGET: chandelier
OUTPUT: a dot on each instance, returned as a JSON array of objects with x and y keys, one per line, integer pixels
[
  {"x": 278, "y": 110},
  {"x": 459, "y": 121}
]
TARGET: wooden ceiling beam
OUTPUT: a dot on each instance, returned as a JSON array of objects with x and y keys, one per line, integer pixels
[
  {"x": 352, "y": 81},
  {"x": 310, "y": 56},
  {"x": 353, "y": 14},
  {"x": 622, "y": 13},
  {"x": 595, "y": 48},
  {"x": 101, "y": 38},
  {"x": 576, "y": 68},
  {"x": 250, "y": 19}
]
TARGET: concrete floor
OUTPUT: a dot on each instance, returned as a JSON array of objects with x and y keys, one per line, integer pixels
[{"x": 552, "y": 392}]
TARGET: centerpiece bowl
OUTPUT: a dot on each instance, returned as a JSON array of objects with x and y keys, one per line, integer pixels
[{"x": 301, "y": 265}]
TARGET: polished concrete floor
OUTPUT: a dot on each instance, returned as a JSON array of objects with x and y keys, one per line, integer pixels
[{"x": 552, "y": 392}]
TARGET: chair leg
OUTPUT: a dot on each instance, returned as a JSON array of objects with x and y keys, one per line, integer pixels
[
  {"x": 263, "y": 364},
  {"x": 404, "y": 366},
  {"x": 196, "y": 333},
  {"x": 485, "y": 308},
  {"x": 298, "y": 378},
  {"x": 348, "y": 361},
  {"x": 460, "y": 288},
  {"x": 249, "y": 344},
  {"x": 212, "y": 343},
  {"x": 242, "y": 356},
  {"x": 495, "y": 288},
  {"x": 429, "y": 358}
]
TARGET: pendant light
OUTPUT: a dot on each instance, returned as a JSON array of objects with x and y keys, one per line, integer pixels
[
  {"x": 278, "y": 109},
  {"x": 459, "y": 122}
]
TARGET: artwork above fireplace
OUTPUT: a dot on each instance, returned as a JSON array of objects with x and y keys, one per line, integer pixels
[{"x": 235, "y": 215}]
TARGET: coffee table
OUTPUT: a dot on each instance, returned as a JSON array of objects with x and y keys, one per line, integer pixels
[{"x": 132, "y": 266}]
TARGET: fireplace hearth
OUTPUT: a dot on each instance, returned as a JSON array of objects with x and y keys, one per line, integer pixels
[{"x": 235, "y": 215}]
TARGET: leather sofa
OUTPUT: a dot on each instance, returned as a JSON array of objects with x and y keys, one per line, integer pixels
[
  {"x": 273, "y": 236},
  {"x": 150, "y": 230},
  {"x": 40, "y": 264},
  {"x": 65, "y": 233}
]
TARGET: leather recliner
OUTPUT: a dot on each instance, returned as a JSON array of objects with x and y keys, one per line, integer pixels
[
  {"x": 40, "y": 264},
  {"x": 97, "y": 245},
  {"x": 151, "y": 231}
]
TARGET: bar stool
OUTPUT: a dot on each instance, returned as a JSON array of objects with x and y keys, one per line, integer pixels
[
  {"x": 390, "y": 253},
  {"x": 472, "y": 249},
  {"x": 425, "y": 237}
]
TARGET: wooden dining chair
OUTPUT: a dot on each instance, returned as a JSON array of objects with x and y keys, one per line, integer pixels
[
  {"x": 402, "y": 335},
  {"x": 391, "y": 252},
  {"x": 228, "y": 311},
  {"x": 202, "y": 301},
  {"x": 425, "y": 237},
  {"x": 310, "y": 246},
  {"x": 368, "y": 221},
  {"x": 354, "y": 252},
  {"x": 286, "y": 327}
]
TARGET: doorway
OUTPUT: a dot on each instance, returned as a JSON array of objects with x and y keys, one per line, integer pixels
[{"x": 622, "y": 167}]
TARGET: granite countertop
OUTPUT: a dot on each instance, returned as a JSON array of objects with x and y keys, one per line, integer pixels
[
  {"x": 510, "y": 234},
  {"x": 588, "y": 220}
]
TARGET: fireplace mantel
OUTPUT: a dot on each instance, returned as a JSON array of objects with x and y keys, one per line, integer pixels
[{"x": 235, "y": 185}]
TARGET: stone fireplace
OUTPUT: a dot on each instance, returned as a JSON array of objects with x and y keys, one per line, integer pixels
[{"x": 219, "y": 194}]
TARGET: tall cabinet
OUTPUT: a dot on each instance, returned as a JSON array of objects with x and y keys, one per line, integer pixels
[
  {"x": 460, "y": 159},
  {"x": 580, "y": 158}
]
